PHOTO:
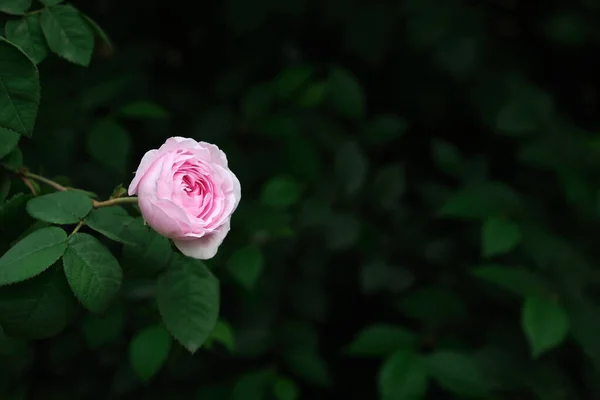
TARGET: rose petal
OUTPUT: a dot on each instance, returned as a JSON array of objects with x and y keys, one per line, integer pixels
[
  {"x": 146, "y": 162},
  {"x": 164, "y": 217},
  {"x": 206, "y": 247},
  {"x": 216, "y": 155}
]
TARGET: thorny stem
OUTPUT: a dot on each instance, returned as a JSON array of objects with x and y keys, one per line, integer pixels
[{"x": 96, "y": 204}]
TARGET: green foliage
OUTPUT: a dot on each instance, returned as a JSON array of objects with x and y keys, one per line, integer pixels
[
  {"x": 499, "y": 236},
  {"x": 16, "y": 7},
  {"x": 149, "y": 350},
  {"x": 545, "y": 322},
  {"x": 245, "y": 265},
  {"x": 68, "y": 207},
  {"x": 381, "y": 340},
  {"x": 402, "y": 376},
  {"x": 68, "y": 34},
  {"x": 27, "y": 34}
]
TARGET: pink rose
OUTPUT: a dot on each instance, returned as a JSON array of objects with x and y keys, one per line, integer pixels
[{"x": 187, "y": 193}]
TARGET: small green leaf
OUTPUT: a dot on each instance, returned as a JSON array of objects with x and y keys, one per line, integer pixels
[
  {"x": 253, "y": 385},
  {"x": 518, "y": 280},
  {"x": 383, "y": 129},
  {"x": 280, "y": 192},
  {"x": 15, "y": 7},
  {"x": 223, "y": 334},
  {"x": 32, "y": 255},
  {"x": 245, "y": 265},
  {"x": 345, "y": 93},
  {"x": 27, "y": 34},
  {"x": 285, "y": 389},
  {"x": 8, "y": 141},
  {"x": 480, "y": 201},
  {"x": 314, "y": 95},
  {"x": 389, "y": 186},
  {"x": 149, "y": 253},
  {"x": 99, "y": 330},
  {"x": 458, "y": 373},
  {"x": 109, "y": 144},
  {"x": 13, "y": 161},
  {"x": 98, "y": 31},
  {"x": 188, "y": 301},
  {"x": 112, "y": 222},
  {"x": 37, "y": 308},
  {"x": 143, "y": 110},
  {"x": 309, "y": 366},
  {"x": 19, "y": 90},
  {"x": 381, "y": 340},
  {"x": 446, "y": 156},
  {"x": 499, "y": 236},
  {"x": 92, "y": 271},
  {"x": 292, "y": 79},
  {"x": 68, "y": 34},
  {"x": 149, "y": 350},
  {"x": 351, "y": 166},
  {"x": 68, "y": 207},
  {"x": 402, "y": 376},
  {"x": 545, "y": 322}
]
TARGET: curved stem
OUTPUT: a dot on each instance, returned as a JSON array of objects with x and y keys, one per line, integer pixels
[
  {"x": 113, "y": 202},
  {"x": 78, "y": 227},
  {"x": 47, "y": 181}
]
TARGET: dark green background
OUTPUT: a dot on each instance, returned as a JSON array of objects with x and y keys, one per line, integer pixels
[{"x": 434, "y": 96}]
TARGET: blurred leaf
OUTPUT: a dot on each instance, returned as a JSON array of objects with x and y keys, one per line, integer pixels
[
  {"x": 15, "y": 7},
  {"x": 281, "y": 125},
  {"x": 446, "y": 156},
  {"x": 345, "y": 93},
  {"x": 64, "y": 208},
  {"x": 27, "y": 34},
  {"x": 285, "y": 389},
  {"x": 383, "y": 129},
  {"x": 402, "y": 376},
  {"x": 188, "y": 301},
  {"x": 290, "y": 80},
  {"x": 8, "y": 141},
  {"x": 527, "y": 109},
  {"x": 351, "y": 166},
  {"x": 37, "y": 308},
  {"x": 517, "y": 280},
  {"x": 98, "y": 31},
  {"x": 479, "y": 201},
  {"x": 14, "y": 160},
  {"x": 449, "y": 307},
  {"x": 459, "y": 373},
  {"x": 343, "y": 230},
  {"x": 545, "y": 323},
  {"x": 381, "y": 340},
  {"x": 149, "y": 350},
  {"x": 112, "y": 222},
  {"x": 280, "y": 192},
  {"x": 92, "y": 271},
  {"x": 143, "y": 110},
  {"x": 246, "y": 265},
  {"x": 389, "y": 185},
  {"x": 253, "y": 385},
  {"x": 309, "y": 366},
  {"x": 100, "y": 330},
  {"x": 4, "y": 186},
  {"x": 303, "y": 158},
  {"x": 109, "y": 144},
  {"x": 146, "y": 251},
  {"x": 68, "y": 34},
  {"x": 377, "y": 277},
  {"x": 20, "y": 93},
  {"x": 223, "y": 334},
  {"x": 499, "y": 236},
  {"x": 314, "y": 95},
  {"x": 567, "y": 28},
  {"x": 32, "y": 255}
]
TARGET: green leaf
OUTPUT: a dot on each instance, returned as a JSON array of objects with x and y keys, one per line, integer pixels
[
  {"x": 112, "y": 222},
  {"x": 14, "y": 160},
  {"x": 109, "y": 144},
  {"x": 38, "y": 308},
  {"x": 8, "y": 141},
  {"x": 149, "y": 350},
  {"x": 223, "y": 334},
  {"x": 280, "y": 192},
  {"x": 253, "y": 385},
  {"x": 143, "y": 110},
  {"x": 351, "y": 166},
  {"x": 518, "y": 280},
  {"x": 32, "y": 255},
  {"x": 99, "y": 330},
  {"x": 51, "y": 2},
  {"x": 480, "y": 201},
  {"x": 446, "y": 156},
  {"x": 499, "y": 236},
  {"x": 285, "y": 389},
  {"x": 68, "y": 34},
  {"x": 27, "y": 34},
  {"x": 382, "y": 129},
  {"x": 345, "y": 93},
  {"x": 245, "y": 265},
  {"x": 68, "y": 207},
  {"x": 402, "y": 376},
  {"x": 149, "y": 253},
  {"x": 458, "y": 373},
  {"x": 389, "y": 186},
  {"x": 92, "y": 271},
  {"x": 449, "y": 305},
  {"x": 98, "y": 31},
  {"x": 188, "y": 301},
  {"x": 15, "y": 7},
  {"x": 314, "y": 95},
  {"x": 381, "y": 340},
  {"x": 309, "y": 366},
  {"x": 567, "y": 28},
  {"x": 291, "y": 80},
  {"x": 19, "y": 90},
  {"x": 545, "y": 323},
  {"x": 4, "y": 186}
]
